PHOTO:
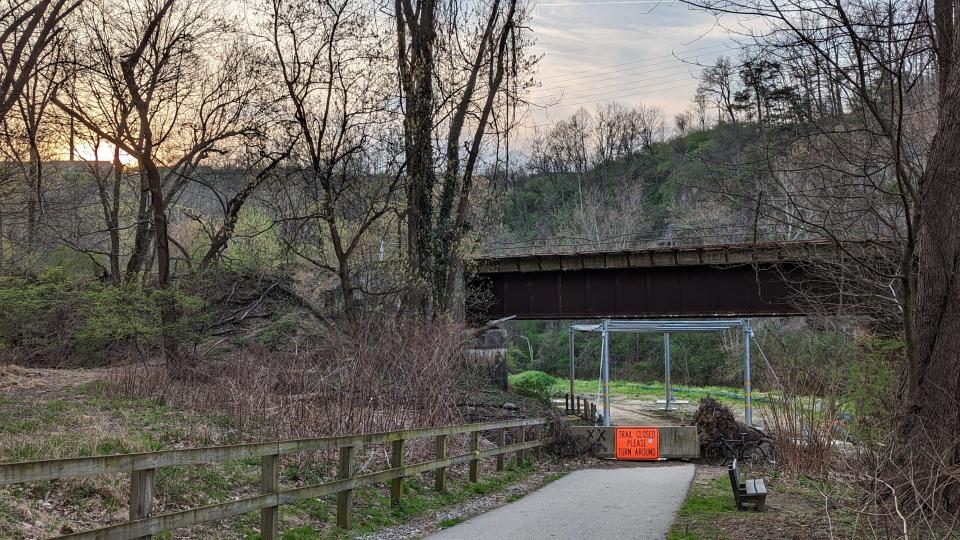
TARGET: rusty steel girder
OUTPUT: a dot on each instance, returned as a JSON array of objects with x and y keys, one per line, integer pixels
[{"x": 694, "y": 290}]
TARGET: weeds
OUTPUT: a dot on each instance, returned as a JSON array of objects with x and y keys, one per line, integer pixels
[{"x": 372, "y": 377}]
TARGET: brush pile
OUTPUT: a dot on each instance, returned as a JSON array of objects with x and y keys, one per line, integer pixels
[{"x": 714, "y": 419}]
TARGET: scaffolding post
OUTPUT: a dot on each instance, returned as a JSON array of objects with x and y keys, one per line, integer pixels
[
  {"x": 573, "y": 363},
  {"x": 666, "y": 370},
  {"x": 605, "y": 365},
  {"x": 747, "y": 387}
]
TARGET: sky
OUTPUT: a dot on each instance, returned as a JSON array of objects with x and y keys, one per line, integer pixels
[
  {"x": 598, "y": 51},
  {"x": 631, "y": 51}
]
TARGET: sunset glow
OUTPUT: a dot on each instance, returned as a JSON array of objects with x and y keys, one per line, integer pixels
[{"x": 101, "y": 152}]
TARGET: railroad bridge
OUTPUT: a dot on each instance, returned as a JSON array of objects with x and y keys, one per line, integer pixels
[{"x": 724, "y": 280}]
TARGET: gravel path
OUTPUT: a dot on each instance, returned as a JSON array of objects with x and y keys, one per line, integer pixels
[{"x": 624, "y": 503}]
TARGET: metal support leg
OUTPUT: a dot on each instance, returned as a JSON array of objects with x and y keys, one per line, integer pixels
[
  {"x": 605, "y": 362},
  {"x": 573, "y": 363},
  {"x": 747, "y": 385},
  {"x": 666, "y": 371}
]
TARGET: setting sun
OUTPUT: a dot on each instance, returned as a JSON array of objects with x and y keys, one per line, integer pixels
[{"x": 101, "y": 152}]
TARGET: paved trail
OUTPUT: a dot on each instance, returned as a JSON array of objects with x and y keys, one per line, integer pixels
[{"x": 621, "y": 503}]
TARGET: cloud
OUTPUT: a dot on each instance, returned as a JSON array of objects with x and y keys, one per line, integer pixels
[{"x": 596, "y": 51}]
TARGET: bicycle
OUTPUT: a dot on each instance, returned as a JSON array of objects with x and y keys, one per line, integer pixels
[{"x": 721, "y": 451}]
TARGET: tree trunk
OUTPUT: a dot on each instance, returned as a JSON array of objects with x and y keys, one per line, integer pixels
[
  {"x": 347, "y": 290},
  {"x": 929, "y": 429},
  {"x": 34, "y": 190},
  {"x": 141, "y": 237},
  {"x": 114, "y": 218},
  {"x": 3, "y": 253},
  {"x": 416, "y": 74},
  {"x": 161, "y": 240}
]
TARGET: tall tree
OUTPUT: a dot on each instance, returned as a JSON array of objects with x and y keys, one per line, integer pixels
[
  {"x": 460, "y": 112},
  {"x": 337, "y": 88},
  {"x": 717, "y": 81}
]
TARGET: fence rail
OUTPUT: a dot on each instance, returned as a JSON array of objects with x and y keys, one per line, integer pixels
[{"x": 142, "y": 468}]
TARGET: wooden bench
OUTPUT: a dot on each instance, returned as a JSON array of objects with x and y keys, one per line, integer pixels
[{"x": 749, "y": 494}]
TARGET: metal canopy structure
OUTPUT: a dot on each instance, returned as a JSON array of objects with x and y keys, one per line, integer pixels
[{"x": 666, "y": 327}]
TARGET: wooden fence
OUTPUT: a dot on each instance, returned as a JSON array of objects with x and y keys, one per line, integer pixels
[
  {"x": 142, "y": 468},
  {"x": 582, "y": 406}
]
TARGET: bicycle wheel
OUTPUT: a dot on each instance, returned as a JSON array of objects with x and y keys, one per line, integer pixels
[
  {"x": 752, "y": 455},
  {"x": 715, "y": 454}
]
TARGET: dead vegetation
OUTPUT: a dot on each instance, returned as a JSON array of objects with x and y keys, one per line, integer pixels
[
  {"x": 714, "y": 419},
  {"x": 374, "y": 376}
]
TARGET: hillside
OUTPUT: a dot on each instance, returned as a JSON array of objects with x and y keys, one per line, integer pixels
[{"x": 669, "y": 191}]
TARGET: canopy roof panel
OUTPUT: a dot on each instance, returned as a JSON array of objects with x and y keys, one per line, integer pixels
[{"x": 660, "y": 326}]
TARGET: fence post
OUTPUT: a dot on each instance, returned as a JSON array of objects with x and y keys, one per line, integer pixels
[
  {"x": 501, "y": 442},
  {"x": 270, "y": 483},
  {"x": 475, "y": 462},
  {"x": 566, "y": 403},
  {"x": 593, "y": 411},
  {"x": 440, "y": 475},
  {"x": 523, "y": 439},
  {"x": 141, "y": 494},
  {"x": 396, "y": 460},
  {"x": 577, "y": 411},
  {"x": 537, "y": 435},
  {"x": 345, "y": 498}
]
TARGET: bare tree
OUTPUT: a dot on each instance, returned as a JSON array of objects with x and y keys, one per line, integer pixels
[
  {"x": 342, "y": 181},
  {"x": 32, "y": 68},
  {"x": 717, "y": 82},
  {"x": 475, "y": 67},
  {"x": 682, "y": 122},
  {"x": 27, "y": 31},
  {"x": 182, "y": 93},
  {"x": 617, "y": 132},
  {"x": 650, "y": 119}
]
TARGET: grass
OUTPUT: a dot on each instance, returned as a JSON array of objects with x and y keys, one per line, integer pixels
[
  {"x": 88, "y": 420},
  {"x": 372, "y": 510},
  {"x": 795, "y": 509},
  {"x": 704, "y": 503},
  {"x": 655, "y": 390},
  {"x": 450, "y": 522}
]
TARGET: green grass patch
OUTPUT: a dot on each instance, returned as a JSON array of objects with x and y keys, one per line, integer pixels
[
  {"x": 372, "y": 510},
  {"x": 655, "y": 389},
  {"x": 450, "y": 522},
  {"x": 90, "y": 421},
  {"x": 705, "y": 502}
]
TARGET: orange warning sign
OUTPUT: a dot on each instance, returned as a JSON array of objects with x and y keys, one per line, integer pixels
[{"x": 638, "y": 443}]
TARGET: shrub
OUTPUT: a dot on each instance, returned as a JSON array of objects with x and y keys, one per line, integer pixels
[
  {"x": 58, "y": 318},
  {"x": 375, "y": 375},
  {"x": 535, "y": 384}
]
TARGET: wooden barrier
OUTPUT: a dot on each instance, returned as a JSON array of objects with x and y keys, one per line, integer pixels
[
  {"x": 581, "y": 406},
  {"x": 676, "y": 442},
  {"x": 142, "y": 468}
]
